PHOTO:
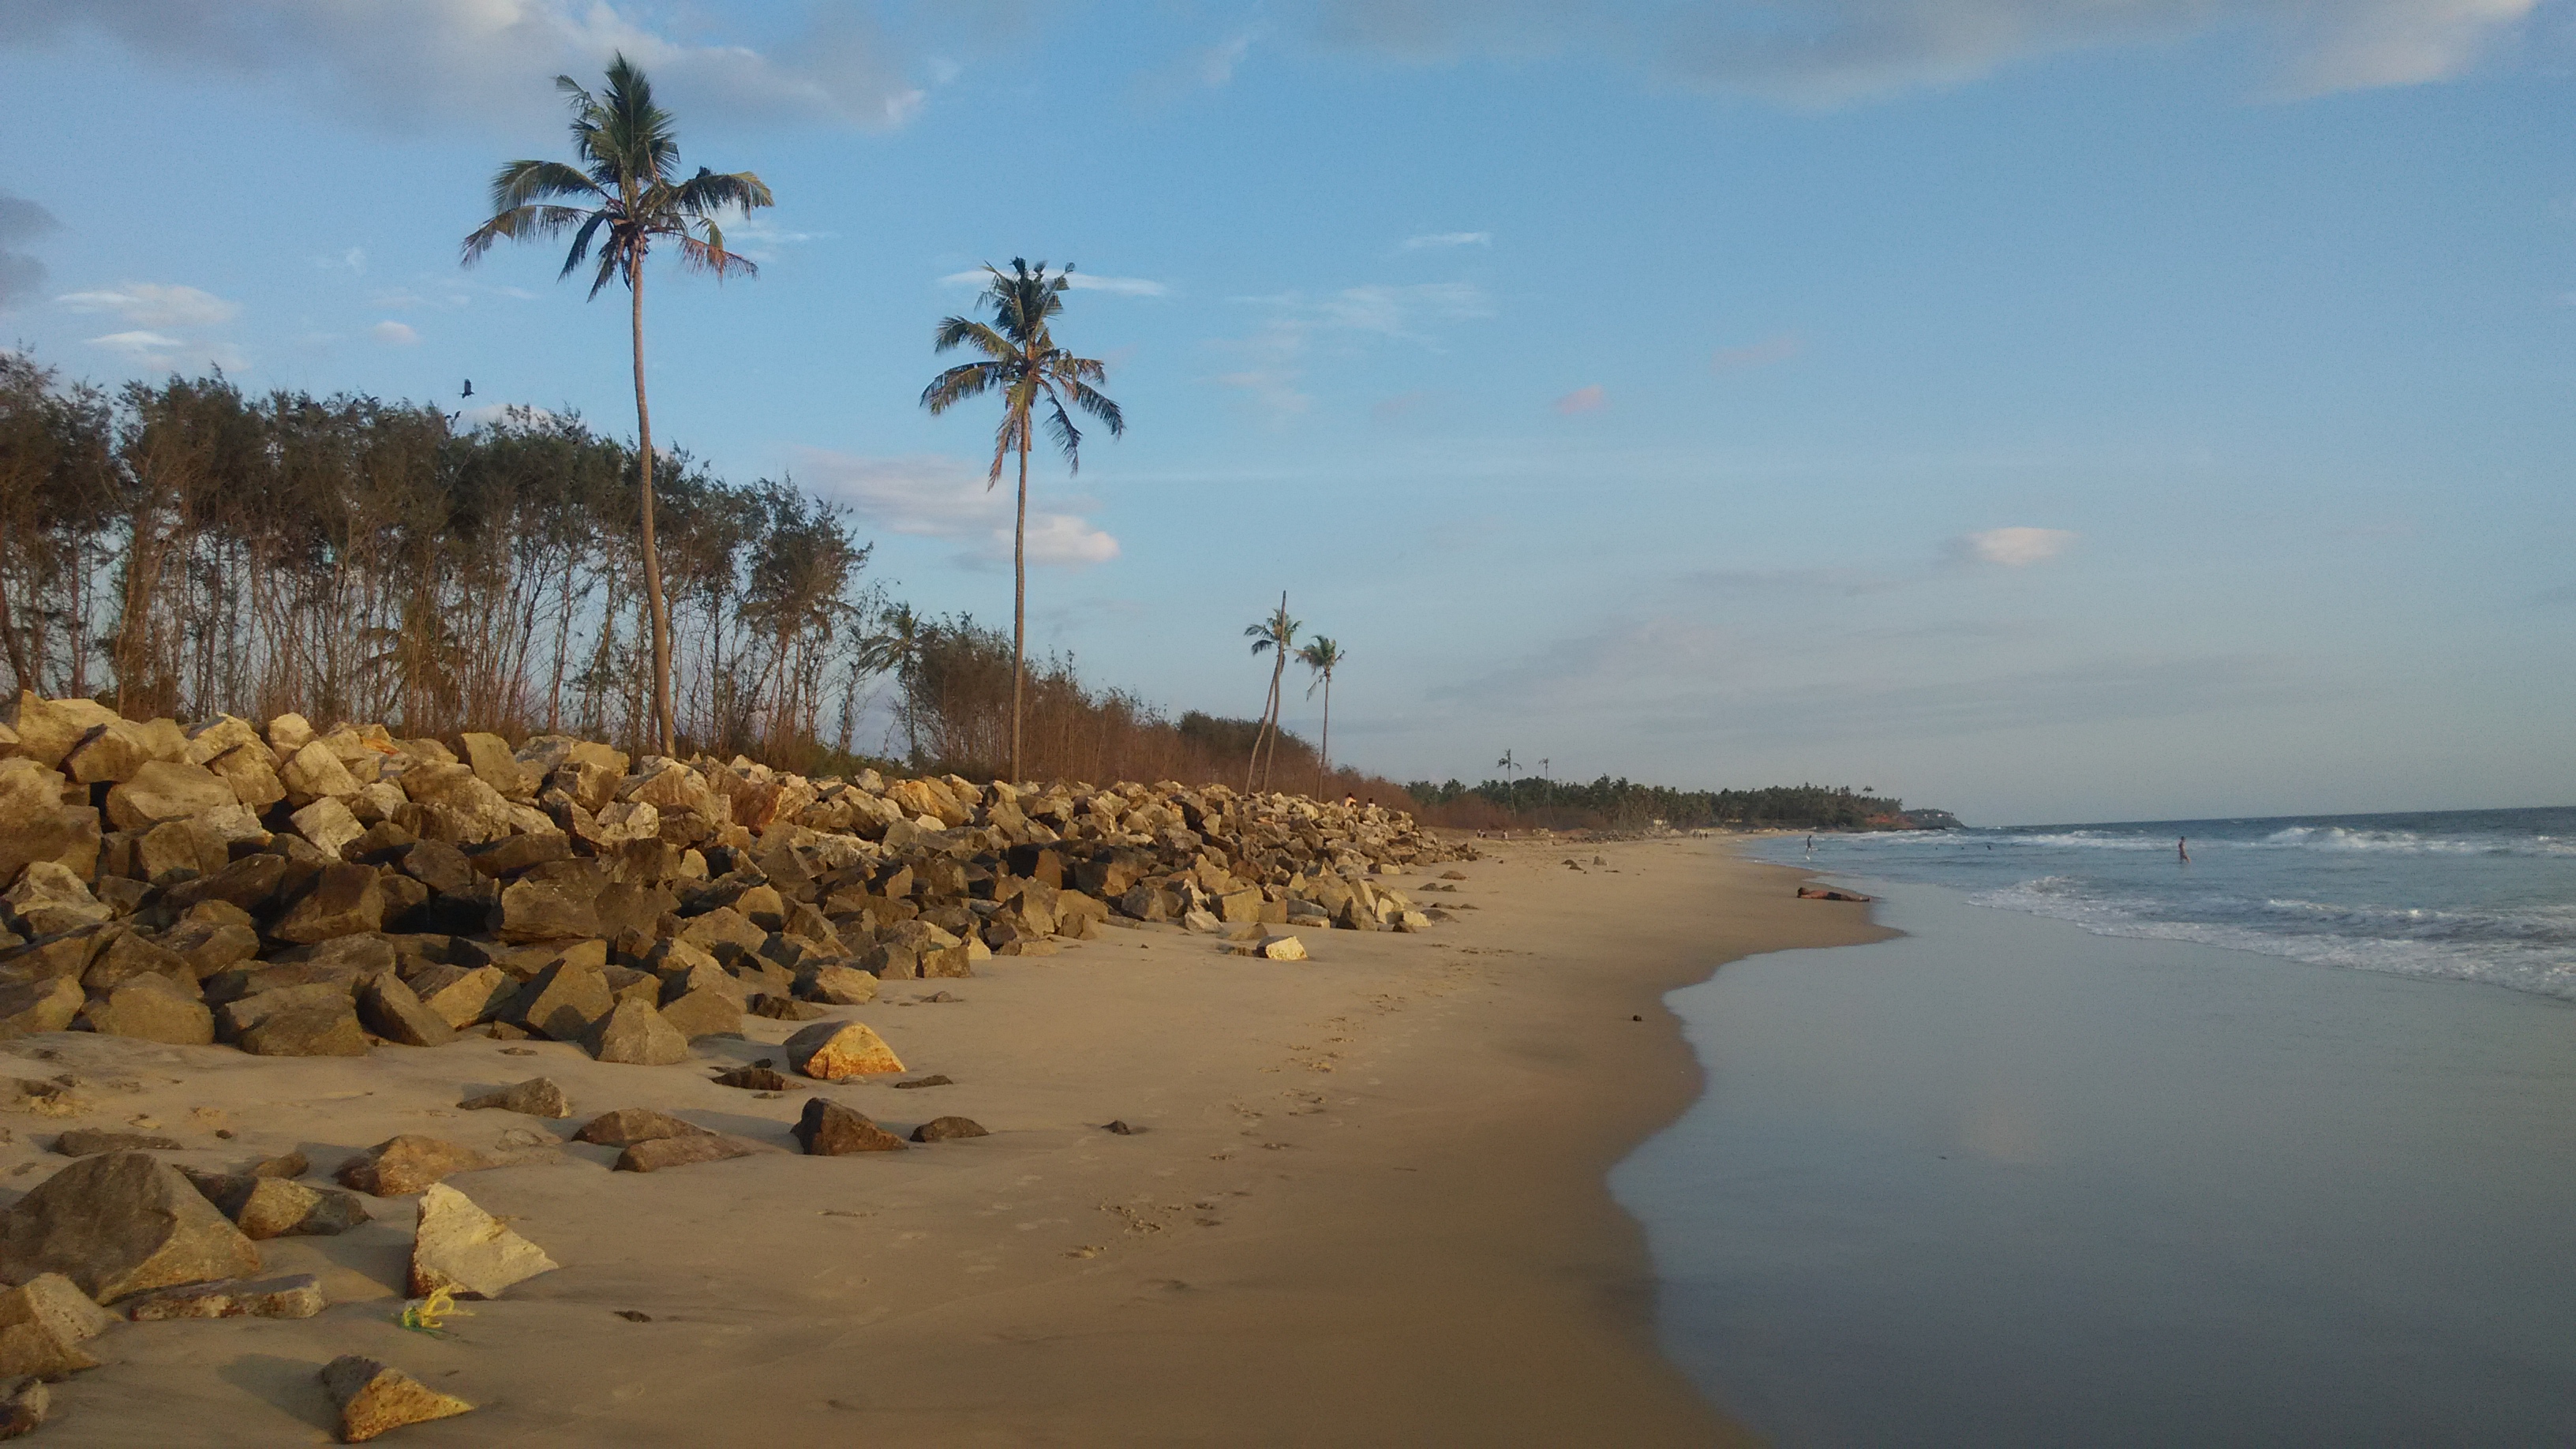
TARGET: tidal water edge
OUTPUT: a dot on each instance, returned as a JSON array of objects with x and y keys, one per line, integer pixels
[{"x": 2006, "y": 1181}]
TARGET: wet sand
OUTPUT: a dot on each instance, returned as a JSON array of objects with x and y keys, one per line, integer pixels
[{"x": 1367, "y": 1203}]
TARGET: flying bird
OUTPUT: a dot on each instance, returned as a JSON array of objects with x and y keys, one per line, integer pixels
[{"x": 469, "y": 387}]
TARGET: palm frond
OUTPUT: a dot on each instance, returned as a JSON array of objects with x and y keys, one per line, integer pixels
[
  {"x": 709, "y": 255},
  {"x": 1096, "y": 403},
  {"x": 965, "y": 331},
  {"x": 1067, "y": 437},
  {"x": 971, "y": 379}
]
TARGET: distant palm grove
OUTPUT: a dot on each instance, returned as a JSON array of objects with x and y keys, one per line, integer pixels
[{"x": 187, "y": 548}]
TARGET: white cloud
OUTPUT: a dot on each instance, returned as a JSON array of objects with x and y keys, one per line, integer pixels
[
  {"x": 394, "y": 334},
  {"x": 491, "y": 60},
  {"x": 2013, "y": 548},
  {"x": 158, "y": 352},
  {"x": 1831, "y": 51},
  {"x": 1449, "y": 239},
  {"x": 147, "y": 304},
  {"x": 945, "y": 497},
  {"x": 1081, "y": 282}
]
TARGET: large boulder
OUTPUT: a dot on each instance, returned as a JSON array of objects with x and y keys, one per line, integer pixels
[
  {"x": 121, "y": 1224},
  {"x": 391, "y": 1010},
  {"x": 251, "y": 772},
  {"x": 634, "y": 1034},
  {"x": 162, "y": 790},
  {"x": 31, "y": 1008},
  {"x": 116, "y": 751},
  {"x": 151, "y": 1007},
  {"x": 49, "y": 898},
  {"x": 833, "y": 1051},
  {"x": 277, "y": 1207},
  {"x": 400, "y": 1166},
  {"x": 563, "y": 1001},
  {"x": 35, "y": 824},
  {"x": 829, "y": 1129},
  {"x": 545, "y": 910},
  {"x": 314, "y": 773},
  {"x": 48, "y": 728},
  {"x": 344, "y": 901},
  {"x": 489, "y": 757},
  {"x": 466, "y": 1250}
]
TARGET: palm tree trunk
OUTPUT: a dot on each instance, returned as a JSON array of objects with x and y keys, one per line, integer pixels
[
  {"x": 1278, "y": 668},
  {"x": 1019, "y": 603},
  {"x": 662, "y": 731},
  {"x": 1253, "y": 765},
  {"x": 1324, "y": 752}
]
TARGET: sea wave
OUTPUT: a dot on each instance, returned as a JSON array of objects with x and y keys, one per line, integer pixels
[{"x": 2526, "y": 950}]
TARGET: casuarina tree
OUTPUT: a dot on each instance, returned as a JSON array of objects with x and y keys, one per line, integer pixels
[
  {"x": 1022, "y": 362},
  {"x": 626, "y": 193}
]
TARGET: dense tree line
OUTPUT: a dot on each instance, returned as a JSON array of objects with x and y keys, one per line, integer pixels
[
  {"x": 1622, "y": 804},
  {"x": 184, "y": 548}
]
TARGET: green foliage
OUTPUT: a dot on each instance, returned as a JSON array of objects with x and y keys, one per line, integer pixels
[{"x": 1620, "y": 804}]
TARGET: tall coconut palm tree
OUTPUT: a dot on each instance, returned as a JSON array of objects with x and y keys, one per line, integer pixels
[
  {"x": 1322, "y": 656},
  {"x": 1023, "y": 364},
  {"x": 1275, "y": 636},
  {"x": 627, "y": 185}
]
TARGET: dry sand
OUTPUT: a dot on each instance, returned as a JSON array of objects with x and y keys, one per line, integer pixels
[{"x": 1366, "y": 1204}]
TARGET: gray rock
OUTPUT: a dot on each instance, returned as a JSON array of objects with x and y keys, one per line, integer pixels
[
  {"x": 535, "y": 1097},
  {"x": 91, "y": 1141},
  {"x": 278, "y": 1207},
  {"x": 634, "y": 1034},
  {"x": 829, "y": 1129},
  {"x": 947, "y": 1129},
  {"x": 375, "y": 1398},
  {"x": 467, "y": 1251},
  {"x": 151, "y": 1008},
  {"x": 400, "y": 1166},
  {"x": 390, "y": 1010},
  {"x": 121, "y": 1224},
  {"x": 308, "y": 1031},
  {"x": 298, "y": 1296}
]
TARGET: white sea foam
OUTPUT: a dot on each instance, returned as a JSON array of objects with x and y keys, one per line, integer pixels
[{"x": 2525, "y": 951}]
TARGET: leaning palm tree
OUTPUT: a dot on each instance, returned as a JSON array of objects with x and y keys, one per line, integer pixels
[
  {"x": 627, "y": 184},
  {"x": 1322, "y": 656},
  {"x": 1274, "y": 636},
  {"x": 1023, "y": 364}
]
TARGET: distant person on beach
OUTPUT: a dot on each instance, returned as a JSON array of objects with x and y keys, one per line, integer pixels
[
  {"x": 1811, "y": 847},
  {"x": 2182, "y": 847}
]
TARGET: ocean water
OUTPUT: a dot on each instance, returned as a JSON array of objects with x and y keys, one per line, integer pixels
[
  {"x": 2468, "y": 895},
  {"x": 2016, "y": 1181}
]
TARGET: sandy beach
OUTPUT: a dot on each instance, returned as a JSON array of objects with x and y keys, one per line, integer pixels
[{"x": 1364, "y": 1201}]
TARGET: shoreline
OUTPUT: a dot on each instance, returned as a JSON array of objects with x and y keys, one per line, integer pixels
[
  {"x": 1369, "y": 1203},
  {"x": 2102, "y": 1133}
]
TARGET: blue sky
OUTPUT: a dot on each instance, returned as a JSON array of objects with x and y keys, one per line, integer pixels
[{"x": 2052, "y": 409}]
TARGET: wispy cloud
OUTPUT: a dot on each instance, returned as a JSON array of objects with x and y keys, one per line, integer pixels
[
  {"x": 1811, "y": 52},
  {"x": 1444, "y": 239},
  {"x": 1080, "y": 281},
  {"x": 1297, "y": 323},
  {"x": 148, "y": 304},
  {"x": 944, "y": 497},
  {"x": 2012, "y": 548},
  {"x": 484, "y": 60},
  {"x": 394, "y": 334},
  {"x": 1586, "y": 399},
  {"x": 159, "y": 352},
  {"x": 21, "y": 274},
  {"x": 1759, "y": 354}
]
